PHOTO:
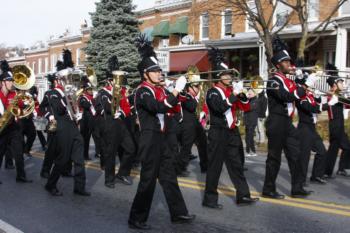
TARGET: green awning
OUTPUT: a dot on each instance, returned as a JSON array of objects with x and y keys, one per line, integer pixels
[
  {"x": 148, "y": 32},
  {"x": 161, "y": 29},
  {"x": 180, "y": 26}
]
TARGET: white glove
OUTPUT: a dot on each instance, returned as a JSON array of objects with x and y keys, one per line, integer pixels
[
  {"x": 318, "y": 93},
  {"x": 201, "y": 115},
  {"x": 78, "y": 116},
  {"x": 299, "y": 73},
  {"x": 180, "y": 83},
  {"x": 237, "y": 87},
  {"x": 51, "y": 118},
  {"x": 93, "y": 111},
  {"x": 168, "y": 82},
  {"x": 334, "y": 100},
  {"x": 311, "y": 80}
]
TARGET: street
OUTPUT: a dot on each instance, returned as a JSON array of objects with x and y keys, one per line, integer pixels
[{"x": 29, "y": 208}]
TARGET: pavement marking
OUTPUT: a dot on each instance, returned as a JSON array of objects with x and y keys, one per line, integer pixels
[
  {"x": 7, "y": 228},
  {"x": 319, "y": 206}
]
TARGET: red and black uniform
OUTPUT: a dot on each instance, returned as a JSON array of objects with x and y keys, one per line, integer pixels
[
  {"x": 87, "y": 122},
  {"x": 11, "y": 138},
  {"x": 156, "y": 160},
  {"x": 67, "y": 142},
  {"x": 338, "y": 139},
  {"x": 308, "y": 108},
  {"x": 114, "y": 135},
  {"x": 281, "y": 133},
  {"x": 191, "y": 132},
  {"x": 224, "y": 142}
]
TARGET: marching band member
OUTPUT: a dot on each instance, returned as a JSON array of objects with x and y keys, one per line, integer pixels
[
  {"x": 308, "y": 108},
  {"x": 156, "y": 160},
  {"x": 191, "y": 130},
  {"x": 115, "y": 134},
  {"x": 251, "y": 121},
  {"x": 337, "y": 136},
  {"x": 87, "y": 122},
  {"x": 69, "y": 142},
  {"x": 11, "y": 138},
  {"x": 224, "y": 99},
  {"x": 282, "y": 135}
]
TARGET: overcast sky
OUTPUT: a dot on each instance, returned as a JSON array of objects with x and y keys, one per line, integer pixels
[{"x": 27, "y": 21}]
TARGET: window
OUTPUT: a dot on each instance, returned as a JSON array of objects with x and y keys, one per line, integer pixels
[
  {"x": 40, "y": 63},
  {"x": 252, "y": 6},
  {"x": 77, "y": 62},
  {"x": 164, "y": 43},
  {"x": 226, "y": 29},
  {"x": 204, "y": 26},
  {"x": 313, "y": 10},
  {"x": 281, "y": 14},
  {"x": 46, "y": 64}
]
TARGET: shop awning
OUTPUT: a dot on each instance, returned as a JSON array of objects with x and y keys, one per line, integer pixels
[
  {"x": 161, "y": 29},
  {"x": 148, "y": 32},
  {"x": 180, "y": 26},
  {"x": 179, "y": 61}
]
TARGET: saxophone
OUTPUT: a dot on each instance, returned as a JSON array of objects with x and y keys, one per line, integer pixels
[{"x": 22, "y": 105}]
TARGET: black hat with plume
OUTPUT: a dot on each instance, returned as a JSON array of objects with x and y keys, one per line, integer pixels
[
  {"x": 217, "y": 59},
  {"x": 149, "y": 60},
  {"x": 332, "y": 70},
  {"x": 113, "y": 65},
  {"x": 280, "y": 52}
]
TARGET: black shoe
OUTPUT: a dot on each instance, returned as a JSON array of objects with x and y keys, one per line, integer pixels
[
  {"x": 122, "y": 179},
  {"x": 246, "y": 201},
  {"x": 327, "y": 176},
  {"x": 343, "y": 173},
  {"x": 300, "y": 193},
  {"x": 67, "y": 174},
  {"x": 44, "y": 175},
  {"x": 183, "y": 173},
  {"x": 213, "y": 206},
  {"x": 183, "y": 218},
  {"x": 110, "y": 185},
  {"x": 274, "y": 195},
  {"x": 9, "y": 166},
  {"x": 192, "y": 157},
  {"x": 23, "y": 180},
  {"x": 54, "y": 192},
  {"x": 139, "y": 225},
  {"x": 82, "y": 193},
  {"x": 318, "y": 180}
]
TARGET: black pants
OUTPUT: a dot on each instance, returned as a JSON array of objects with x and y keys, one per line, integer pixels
[
  {"x": 29, "y": 132},
  {"x": 98, "y": 133},
  {"x": 191, "y": 134},
  {"x": 282, "y": 135},
  {"x": 42, "y": 138},
  {"x": 69, "y": 147},
  {"x": 249, "y": 138},
  {"x": 117, "y": 135},
  {"x": 311, "y": 140},
  {"x": 86, "y": 128},
  {"x": 156, "y": 163},
  {"x": 338, "y": 140},
  {"x": 11, "y": 141},
  {"x": 223, "y": 147},
  {"x": 50, "y": 153}
]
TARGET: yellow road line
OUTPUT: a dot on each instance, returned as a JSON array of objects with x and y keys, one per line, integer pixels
[{"x": 230, "y": 191}]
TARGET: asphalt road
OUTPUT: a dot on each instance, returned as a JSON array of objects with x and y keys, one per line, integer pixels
[{"x": 29, "y": 208}]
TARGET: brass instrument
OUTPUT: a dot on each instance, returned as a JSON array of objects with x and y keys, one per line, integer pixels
[
  {"x": 174, "y": 77},
  {"x": 118, "y": 82},
  {"x": 22, "y": 105},
  {"x": 90, "y": 72}
]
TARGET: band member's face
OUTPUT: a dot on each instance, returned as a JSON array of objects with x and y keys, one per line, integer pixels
[
  {"x": 340, "y": 85},
  {"x": 89, "y": 91},
  {"x": 154, "y": 77},
  {"x": 8, "y": 85},
  {"x": 284, "y": 67},
  {"x": 226, "y": 79}
]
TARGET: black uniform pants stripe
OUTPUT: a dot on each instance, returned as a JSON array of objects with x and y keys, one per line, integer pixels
[
  {"x": 224, "y": 147},
  {"x": 156, "y": 163}
]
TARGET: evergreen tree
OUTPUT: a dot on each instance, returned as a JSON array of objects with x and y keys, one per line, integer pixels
[{"x": 114, "y": 29}]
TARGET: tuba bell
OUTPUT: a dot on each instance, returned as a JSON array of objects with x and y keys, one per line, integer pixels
[{"x": 22, "y": 104}]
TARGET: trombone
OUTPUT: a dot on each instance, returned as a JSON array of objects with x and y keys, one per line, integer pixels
[{"x": 174, "y": 77}]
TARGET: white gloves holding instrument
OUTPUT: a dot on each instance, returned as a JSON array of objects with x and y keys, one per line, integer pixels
[
  {"x": 180, "y": 83},
  {"x": 237, "y": 87}
]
